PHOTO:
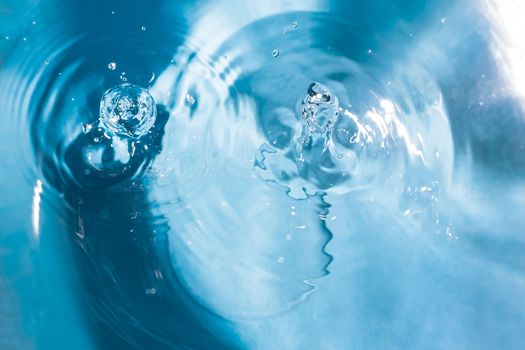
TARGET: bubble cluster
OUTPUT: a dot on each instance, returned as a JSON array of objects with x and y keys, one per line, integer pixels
[{"x": 127, "y": 110}]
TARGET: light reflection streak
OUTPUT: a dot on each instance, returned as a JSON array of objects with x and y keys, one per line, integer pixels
[
  {"x": 37, "y": 192},
  {"x": 506, "y": 17}
]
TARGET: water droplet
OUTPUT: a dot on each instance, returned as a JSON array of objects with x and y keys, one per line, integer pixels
[
  {"x": 190, "y": 99},
  {"x": 112, "y": 66},
  {"x": 295, "y": 24},
  {"x": 33, "y": 22},
  {"x": 96, "y": 139},
  {"x": 46, "y": 62},
  {"x": 113, "y": 12},
  {"x": 86, "y": 128},
  {"x": 127, "y": 110},
  {"x": 143, "y": 28},
  {"x": 7, "y": 37},
  {"x": 151, "y": 291},
  {"x": 275, "y": 53},
  {"x": 320, "y": 109},
  {"x": 24, "y": 39},
  {"x": 369, "y": 51},
  {"x": 444, "y": 20}
]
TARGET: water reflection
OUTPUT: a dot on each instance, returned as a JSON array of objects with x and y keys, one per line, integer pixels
[{"x": 416, "y": 243}]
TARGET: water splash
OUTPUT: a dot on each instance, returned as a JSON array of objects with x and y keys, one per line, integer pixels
[
  {"x": 127, "y": 110},
  {"x": 239, "y": 246},
  {"x": 315, "y": 162},
  {"x": 320, "y": 110}
]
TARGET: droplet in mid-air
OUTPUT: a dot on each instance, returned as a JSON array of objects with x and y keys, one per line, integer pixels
[
  {"x": 319, "y": 109},
  {"x": 127, "y": 110},
  {"x": 190, "y": 99}
]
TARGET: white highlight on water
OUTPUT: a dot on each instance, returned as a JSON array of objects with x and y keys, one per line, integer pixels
[{"x": 37, "y": 192}]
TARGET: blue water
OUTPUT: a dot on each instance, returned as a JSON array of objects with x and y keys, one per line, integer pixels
[{"x": 262, "y": 175}]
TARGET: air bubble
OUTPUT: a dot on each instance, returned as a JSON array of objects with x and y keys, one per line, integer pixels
[
  {"x": 127, "y": 110},
  {"x": 275, "y": 53},
  {"x": 143, "y": 28},
  {"x": 112, "y": 66}
]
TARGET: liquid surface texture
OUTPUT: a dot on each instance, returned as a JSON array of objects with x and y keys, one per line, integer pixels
[{"x": 262, "y": 175}]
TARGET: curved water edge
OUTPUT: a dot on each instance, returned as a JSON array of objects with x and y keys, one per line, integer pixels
[{"x": 228, "y": 216}]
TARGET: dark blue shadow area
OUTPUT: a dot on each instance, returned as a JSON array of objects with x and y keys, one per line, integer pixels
[{"x": 108, "y": 244}]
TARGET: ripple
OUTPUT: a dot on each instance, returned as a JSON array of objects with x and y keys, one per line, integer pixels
[{"x": 249, "y": 110}]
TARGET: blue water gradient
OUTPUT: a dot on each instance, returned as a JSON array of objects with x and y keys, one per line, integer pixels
[{"x": 230, "y": 221}]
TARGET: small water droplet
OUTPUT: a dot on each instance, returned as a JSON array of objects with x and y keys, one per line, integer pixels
[
  {"x": 113, "y": 12},
  {"x": 96, "y": 139},
  {"x": 127, "y": 110},
  {"x": 46, "y": 62},
  {"x": 369, "y": 51},
  {"x": 275, "y": 53},
  {"x": 86, "y": 128},
  {"x": 143, "y": 28},
  {"x": 24, "y": 39},
  {"x": 7, "y": 37},
  {"x": 33, "y": 22},
  {"x": 444, "y": 20},
  {"x": 295, "y": 24},
  {"x": 151, "y": 291},
  {"x": 112, "y": 66},
  {"x": 190, "y": 99}
]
